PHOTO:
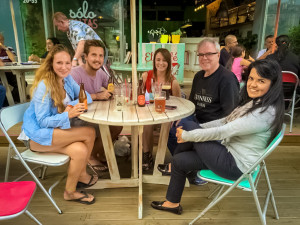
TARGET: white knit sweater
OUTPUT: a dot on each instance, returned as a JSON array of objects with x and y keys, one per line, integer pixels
[{"x": 245, "y": 138}]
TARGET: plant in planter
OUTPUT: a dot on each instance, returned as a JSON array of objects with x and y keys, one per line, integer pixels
[
  {"x": 294, "y": 35},
  {"x": 154, "y": 35}
]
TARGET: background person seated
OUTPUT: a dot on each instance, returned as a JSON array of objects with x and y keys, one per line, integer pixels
[
  {"x": 50, "y": 43},
  {"x": 287, "y": 60},
  {"x": 8, "y": 55},
  {"x": 237, "y": 63}
]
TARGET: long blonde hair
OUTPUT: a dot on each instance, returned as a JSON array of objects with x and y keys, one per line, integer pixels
[{"x": 46, "y": 73}]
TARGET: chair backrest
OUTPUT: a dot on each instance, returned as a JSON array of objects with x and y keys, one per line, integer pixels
[
  {"x": 15, "y": 196},
  {"x": 290, "y": 77},
  {"x": 275, "y": 142},
  {"x": 12, "y": 115}
]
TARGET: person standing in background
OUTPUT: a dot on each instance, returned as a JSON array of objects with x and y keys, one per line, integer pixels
[
  {"x": 77, "y": 33},
  {"x": 230, "y": 42}
]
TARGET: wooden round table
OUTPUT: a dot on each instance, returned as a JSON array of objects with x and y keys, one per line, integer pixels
[{"x": 104, "y": 113}]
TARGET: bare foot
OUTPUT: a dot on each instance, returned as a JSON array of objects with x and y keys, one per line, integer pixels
[{"x": 69, "y": 196}]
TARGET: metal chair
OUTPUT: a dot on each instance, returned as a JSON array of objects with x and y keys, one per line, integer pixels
[
  {"x": 290, "y": 77},
  {"x": 16, "y": 196},
  {"x": 247, "y": 182},
  {"x": 11, "y": 116}
]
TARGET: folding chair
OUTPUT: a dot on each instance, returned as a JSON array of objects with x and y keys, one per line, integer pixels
[
  {"x": 247, "y": 182},
  {"x": 290, "y": 77},
  {"x": 16, "y": 196},
  {"x": 9, "y": 117}
]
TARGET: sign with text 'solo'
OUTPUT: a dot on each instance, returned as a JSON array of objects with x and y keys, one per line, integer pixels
[{"x": 177, "y": 57}]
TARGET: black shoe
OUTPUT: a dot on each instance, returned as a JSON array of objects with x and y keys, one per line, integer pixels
[
  {"x": 164, "y": 169},
  {"x": 147, "y": 161},
  {"x": 158, "y": 206}
]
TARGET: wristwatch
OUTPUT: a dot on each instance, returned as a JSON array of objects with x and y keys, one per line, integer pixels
[{"x": 75, "y": 59}]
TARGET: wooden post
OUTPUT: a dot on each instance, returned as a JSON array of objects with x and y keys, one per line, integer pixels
[
  {"x": 15, "y": 30},
  {"x": 133, "y": 49},
  {"x": 276, "y": 23}
]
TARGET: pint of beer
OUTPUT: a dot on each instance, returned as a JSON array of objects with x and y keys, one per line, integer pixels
[
  {"x": 160, "y": 102},
  {"x": 167, "y": 88}
]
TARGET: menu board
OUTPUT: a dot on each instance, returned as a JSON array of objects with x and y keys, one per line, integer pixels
[{"x": 177, "y": 57}]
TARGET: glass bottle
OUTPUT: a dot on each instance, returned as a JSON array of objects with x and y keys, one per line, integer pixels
[
  {"x": 141, "y": 94},
  {"x": 83, "y": 97},
  {"x": 111, "y": 86}
]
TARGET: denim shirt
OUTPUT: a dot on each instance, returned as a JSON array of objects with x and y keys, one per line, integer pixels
[{"x": 42, "y": 116}]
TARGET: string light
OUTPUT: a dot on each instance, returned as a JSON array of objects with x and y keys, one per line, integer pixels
[{"x": 199, "y": 8}]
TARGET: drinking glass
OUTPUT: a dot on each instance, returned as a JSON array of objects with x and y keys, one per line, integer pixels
[
  {"x": 160, "y": 101},
  {"x": 167, "y": 88},
  {"x": 119, "y": 98}
]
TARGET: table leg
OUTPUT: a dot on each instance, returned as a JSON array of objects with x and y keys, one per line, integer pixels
[
  {"x": 109, "y": 152},
  {"x": 157, "y": 177},
  {"x": 134, "y": 151},
  {"x": 140, "y": 204},
  {"x": 162, "y": 147},
  {"x": 6, "y": 85},
  {"x": 21, "y": 85}
]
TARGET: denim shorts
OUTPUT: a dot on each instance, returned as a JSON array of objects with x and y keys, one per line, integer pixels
[{"x": 27, "y": 143}]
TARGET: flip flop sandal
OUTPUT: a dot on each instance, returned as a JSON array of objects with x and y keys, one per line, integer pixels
[
  {"x": 103, "y": 167},
  {"x": 84, "y": 185},
  {"x": 82, "y": 201}
]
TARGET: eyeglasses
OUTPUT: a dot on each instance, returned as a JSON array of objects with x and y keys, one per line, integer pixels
[{"x": 207, "y": 55}]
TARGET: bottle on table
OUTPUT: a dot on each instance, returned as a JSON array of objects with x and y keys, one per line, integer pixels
[
  {"x": 111, "y": 86},
  {"x": 83, "y": 97},
  {"x": 147, "y": 98},
  {"x": 141, "y": 94},
  {"x": 151, "y": 93}
]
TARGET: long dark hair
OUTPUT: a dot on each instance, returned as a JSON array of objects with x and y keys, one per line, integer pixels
[
  {"x": 271, "y": 70},
  {"x": 283, "y": 43},
  {"x": 54, "y": 40},
  {"x": 235, "y": 52},
  {"x": 167, "y": 55}
]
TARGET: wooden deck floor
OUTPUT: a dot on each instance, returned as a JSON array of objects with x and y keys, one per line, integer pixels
[{"x": 119, "y": 206}]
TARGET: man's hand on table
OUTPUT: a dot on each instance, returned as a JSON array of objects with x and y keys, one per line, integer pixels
[{"x": 103, "y": 95}]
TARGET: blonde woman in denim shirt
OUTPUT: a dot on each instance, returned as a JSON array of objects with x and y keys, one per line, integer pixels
[{"x": 47, "y": 121}]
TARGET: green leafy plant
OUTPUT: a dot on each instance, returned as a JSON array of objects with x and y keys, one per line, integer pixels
[
  {"x": 248, "y": 42},
  {"x": 294, "y": 35}
]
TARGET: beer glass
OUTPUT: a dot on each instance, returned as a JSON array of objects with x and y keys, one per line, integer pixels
[
  {"x": 160, "y": 101},
  {"x": 167, "y": 88},
  {"x": 119, "y": 98}
]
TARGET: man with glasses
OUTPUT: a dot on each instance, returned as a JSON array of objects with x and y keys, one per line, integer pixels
[
  {"x": 215, "y": 93},
  {"x": 230, "y": 42}
]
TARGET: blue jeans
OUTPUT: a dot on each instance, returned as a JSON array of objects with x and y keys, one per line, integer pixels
[
  {"x": 2, "y": 95},
  {"x": 185, "y": 123}
]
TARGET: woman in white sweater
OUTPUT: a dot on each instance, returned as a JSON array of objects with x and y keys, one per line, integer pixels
[{"x": 245, "y": 134}]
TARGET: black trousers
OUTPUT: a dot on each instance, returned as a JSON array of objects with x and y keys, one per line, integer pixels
[{"x": 192, "y": 156}]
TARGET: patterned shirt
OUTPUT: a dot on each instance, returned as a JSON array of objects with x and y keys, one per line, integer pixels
[
  {"x": 79, "y": 31},
  {"x": 3, "y": 55}
]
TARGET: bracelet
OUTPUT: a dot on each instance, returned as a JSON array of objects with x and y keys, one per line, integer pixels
[{"x": 75, "y": 59}]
